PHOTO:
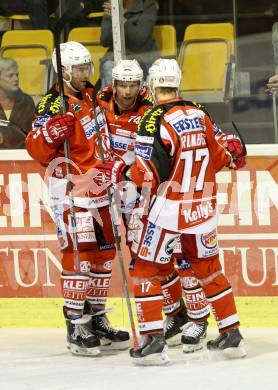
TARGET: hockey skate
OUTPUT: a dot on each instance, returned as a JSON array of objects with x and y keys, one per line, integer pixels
[
  {"x": 110, "y": 338},
  {"x": 152, "y": 351},
  {"x": 230, "y": 343},
  {"x": 173, "y": 327},
  {"x": 81, "y": 341},
  {"x": 193, "y": 334}
]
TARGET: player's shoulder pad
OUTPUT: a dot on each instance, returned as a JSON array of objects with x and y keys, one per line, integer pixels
[
  {"x": 49, "y": 104},
  {"x": 144, "y": 98},
  {"x": 147, "y": 100},
  {"x": 197, "y": 105},
  {"x": 151, "y": 119}
]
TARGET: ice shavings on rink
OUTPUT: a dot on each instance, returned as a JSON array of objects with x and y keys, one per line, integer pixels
[{"x": 36, "y": 359}]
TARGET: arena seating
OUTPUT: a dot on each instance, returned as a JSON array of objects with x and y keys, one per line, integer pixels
[
  {"x": 90, "y": 37},
  {"x": 165, "y": 37},
  {"x": 206, "y": 58},
  {"x": 32, "y": 50}
]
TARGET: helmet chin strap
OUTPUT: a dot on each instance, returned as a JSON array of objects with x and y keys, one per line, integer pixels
[
  {"x": 70, "y": 86},
  {"x": 68, "y": 83}
]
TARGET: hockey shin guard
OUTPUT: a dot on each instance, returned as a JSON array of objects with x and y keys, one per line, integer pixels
[
  {"x": 172, "y": 294},
  {"x": 74, "y": 289},
  {"x": 149, "y": 302}
]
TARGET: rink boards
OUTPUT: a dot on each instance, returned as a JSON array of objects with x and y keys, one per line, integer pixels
[{"x": 248, "y": 228}]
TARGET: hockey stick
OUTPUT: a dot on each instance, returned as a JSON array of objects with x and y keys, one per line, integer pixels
[
  {"x": 117, "y": 235},
  {"x": 240, "y": 137},
  {"x": 66, "y": 17}
]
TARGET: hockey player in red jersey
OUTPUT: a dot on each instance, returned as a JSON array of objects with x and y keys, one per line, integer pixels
[
  {"x": 84, "y": 285},
  {"x": 124, "y": 104},
  {"x": 178, "y": 155}
]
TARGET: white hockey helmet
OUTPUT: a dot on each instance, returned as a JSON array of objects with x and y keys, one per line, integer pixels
[
  {"x": 164, "y": 73},
  {"x": 72, "y": 53},
  {"x": 127, "y": 70}
]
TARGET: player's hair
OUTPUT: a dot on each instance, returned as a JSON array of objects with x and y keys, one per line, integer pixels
[
  {"x": 7, "y": 63},
  {"x": 166, "y": 90}
]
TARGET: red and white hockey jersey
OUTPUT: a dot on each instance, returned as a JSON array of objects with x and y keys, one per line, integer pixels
[
  {"x": 123, "y": 126},
  {"x": 84, "y": 147},
  {"x": 177, "y": 151}
]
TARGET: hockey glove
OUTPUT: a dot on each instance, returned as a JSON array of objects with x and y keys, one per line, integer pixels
[
  {"x": 236, "y": 149},
  {"x": 114, "y": 170},
  {"x": 59, "y": 128},
  {"x": 107, "y": 89}
]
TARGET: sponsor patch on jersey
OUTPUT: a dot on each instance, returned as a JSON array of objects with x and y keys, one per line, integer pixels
[
  {"x": 186, "y": 123},
  {"x": 120, "y": 143},
  {"x": 183, "y": 264},
  {"x": 209, "y": 240},
  {"x": 85, "y": 266},
  {"x": 207, "y": 244},
  {"x": 190, "y": 282},
  {"x": 150, "y": 242},
  {"x": 126, "y": 133},
  {"x": 144, "y": 152},
  {"x": 86, "y": 237},
  {"x": 84, "y": 226},
  {"x": 100, "y": 119},
  {"x": 76, "y": 107},
  {"x": 204, "y": 210},
  {"x": 151, "y": 123},
  {"x": 167, "y": 247},
  {"x": 41, "y": 120},
  {"x": 144, "y": 139},
  {"x": 104, "y": 247},
  {"x": 177, "y": 249},
  {"x": 149, "y": 234},
  {"x": 49, "y": 103},
  {"x": 60, "y": 227},
  {"x": 85, "y": 120},
  {"x": 170, "y": 246},
  {"x": 183, "y": 123},
  {"x": 108, "y": 265},
  {"x": 90, "y": 129}
]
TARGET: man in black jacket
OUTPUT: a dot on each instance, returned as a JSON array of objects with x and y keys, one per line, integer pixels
[{"x": 16, "y": 107}]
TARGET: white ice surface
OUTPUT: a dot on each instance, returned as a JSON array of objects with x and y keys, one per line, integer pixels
[{"x": 36, "y": 359}]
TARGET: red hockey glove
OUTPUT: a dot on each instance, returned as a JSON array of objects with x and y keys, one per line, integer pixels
[
  {"x": 114, "y": 170},
  {"x": 234, "y": 145},
  {"x": 108, "y": 89},
  {"x": 58, "y": 129},
  {"x": 236, "y": 149},
  {"x": 239, "y": 162}
]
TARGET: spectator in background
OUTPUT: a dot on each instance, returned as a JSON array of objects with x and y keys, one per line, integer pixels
[
  {"x": 38, "y": 10},
  {"x": 16, "y": 108},
  {"x": 82, "y": 20},
  {"x": 139, "y": 21},
  {"x": 272, "y": 85}
]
